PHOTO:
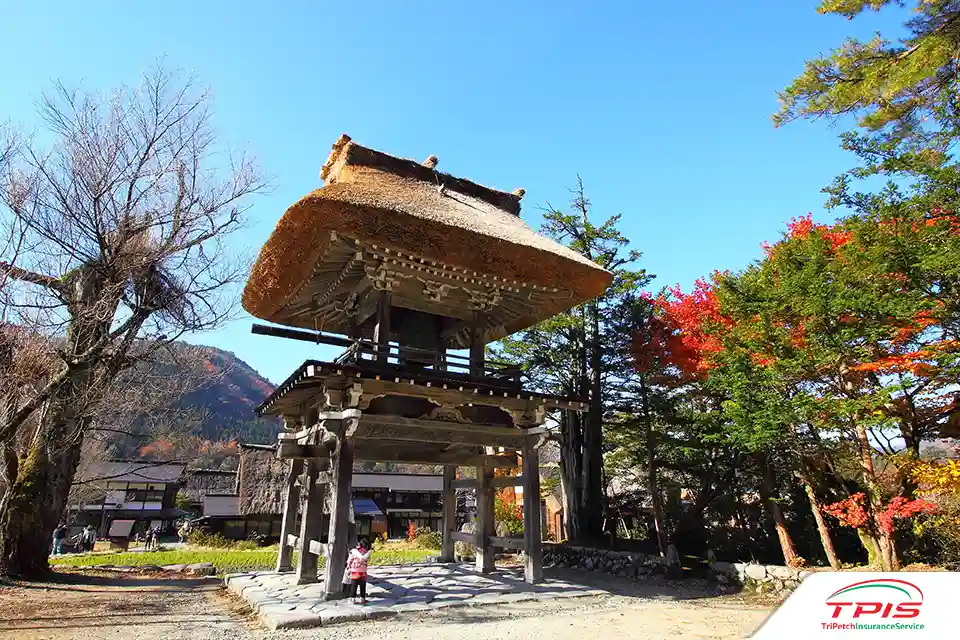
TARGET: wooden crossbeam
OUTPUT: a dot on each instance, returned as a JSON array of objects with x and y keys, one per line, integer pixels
[
  {"x": 465, "y": 483},
  {"x": 462, "y": 536},
  {"x": 506, "y": 543},
  {"x": 318, "y": 548},
  {"x": 293, "y": 541},
  {"x": 507, "y": 481},
  {"x": 370, "y": 453}
]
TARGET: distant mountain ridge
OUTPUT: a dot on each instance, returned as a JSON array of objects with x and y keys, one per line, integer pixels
[{"x": 229, "y": 400}]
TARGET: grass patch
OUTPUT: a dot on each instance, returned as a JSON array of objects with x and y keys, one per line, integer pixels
[{"x": 226, "y": 560}]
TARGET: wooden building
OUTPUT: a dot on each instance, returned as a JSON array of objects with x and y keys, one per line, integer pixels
[
  {"x": 142, "y": 492},
  {"x": 408, "y": 265},
  {"x": 381, "y": 502}
]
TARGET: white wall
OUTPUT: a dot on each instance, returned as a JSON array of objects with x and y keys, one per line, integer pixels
[
  {"x": 221, "y": 505},
  {"x": 399, "y": 482}
]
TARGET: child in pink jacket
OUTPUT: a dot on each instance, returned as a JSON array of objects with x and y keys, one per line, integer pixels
[{"x": 357, "y": 566}]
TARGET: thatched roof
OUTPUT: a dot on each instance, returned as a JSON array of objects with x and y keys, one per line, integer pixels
[
  {"x": 409, "y": 207},
  {"x": 262, "y": 478}
]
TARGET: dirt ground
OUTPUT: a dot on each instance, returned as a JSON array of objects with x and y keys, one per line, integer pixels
[{"x": 94, "y": 606}]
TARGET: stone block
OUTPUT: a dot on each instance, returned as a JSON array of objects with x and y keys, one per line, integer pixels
[
  {"x": 296, "y": 619},
  {"x": 180, "y": 567},
  {"x": 756, "y": 572},
  {"x": 781, "y": 572},
  {"x": 376, "y": 612}
]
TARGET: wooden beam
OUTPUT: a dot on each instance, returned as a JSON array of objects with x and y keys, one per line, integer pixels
[
  {"x": 310, "y": 525},
  {"x": 371, "y": 453},
  {"x": 300, "y": 334},
  {"x": 463, "y": 536},
  {"x": 449, "y": 512},
  {"x": 318, "y": 548},
  {"x": 466, "y": 483},
  {"x": 484, "y": 527},
  {"x": 507, "y": 481},
  {"x": 340, "y": 489},
  {"x": 507, "y": 543},
  {"x": 293, "y": 541},
  {"x": 291, "y": 501},
  {"x": 532, "y": 535}
]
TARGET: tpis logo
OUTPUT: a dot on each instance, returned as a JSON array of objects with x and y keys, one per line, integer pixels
[{"x": 883, "y": 598}]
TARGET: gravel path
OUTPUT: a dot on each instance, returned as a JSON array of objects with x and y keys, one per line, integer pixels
[{"x": 102, "y": 606}]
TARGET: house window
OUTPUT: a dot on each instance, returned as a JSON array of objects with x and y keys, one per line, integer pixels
[{"x": 235, "y": 529}]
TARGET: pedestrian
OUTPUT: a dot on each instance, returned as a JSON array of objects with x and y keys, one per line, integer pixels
[
  {"x": 357, "y": 564},
  {"x": 156, "y": 538},
  {"x": 58, "y": 536},
  {"x": 148, "y": 538},
  {"x": 89, "y": 538}
]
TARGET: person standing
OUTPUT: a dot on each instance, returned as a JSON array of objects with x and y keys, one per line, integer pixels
[
  {"x": 148, "y": 538},
  {"x": 89, "y": 538},
  {"x": 357, "y": 565},
  {"x": 59, "y": 534}
]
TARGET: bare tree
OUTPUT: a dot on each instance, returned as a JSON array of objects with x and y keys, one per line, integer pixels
[{"x": 115, "y": 246}]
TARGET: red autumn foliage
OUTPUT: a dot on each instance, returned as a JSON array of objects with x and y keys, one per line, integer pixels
[
  {"x": 901, "y": 509},
  {"x": 696, "y": 319},
  {"x": 852, "y": 513},
  {"x": 803, "y": 227}
]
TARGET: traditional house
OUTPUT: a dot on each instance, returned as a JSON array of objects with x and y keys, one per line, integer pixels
[
  {"x": 382, "y": 503},
  {"x": 140, "y": 492}
]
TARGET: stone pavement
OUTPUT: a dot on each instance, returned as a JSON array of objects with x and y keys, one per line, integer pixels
[{"x": 392, "y": 590}]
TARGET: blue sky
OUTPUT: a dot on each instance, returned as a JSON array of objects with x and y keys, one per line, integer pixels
[{"x": 665, "y": 116}]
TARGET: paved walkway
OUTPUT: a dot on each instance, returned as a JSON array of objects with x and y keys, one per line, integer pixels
[{"x": 392, "y": 590}]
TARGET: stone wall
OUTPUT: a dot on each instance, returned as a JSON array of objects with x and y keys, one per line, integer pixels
[
  {"x": 620, "y": 563},
  {"x": 760, "y": 578},
  {"x": 732, "y": 576}
]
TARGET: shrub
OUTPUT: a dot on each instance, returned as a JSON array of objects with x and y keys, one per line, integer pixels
[
  {"x": 509, "y": 514},
  {"x": 203, "y": 538},
  {"x": 246, "y": 545},
  {"x": 427, "y": 539}
]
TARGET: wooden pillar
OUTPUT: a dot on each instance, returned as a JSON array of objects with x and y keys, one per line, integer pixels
[
  {"x": 532, "y": 536},
  {"x": 476, "y": 344},
  {"x": 381, "y": 332},
  {"x": 310, "y": 524},
  {"x": 449, "y": 512},
  {"x": 484, "y": 526},
  {"x": 341, "y": 485},
  {"x": 291, "y": 502}
]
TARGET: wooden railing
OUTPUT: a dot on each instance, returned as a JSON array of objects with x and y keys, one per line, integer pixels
[
  {"x": 367, "y": 352},
  {"x": 409, "y": 360}
]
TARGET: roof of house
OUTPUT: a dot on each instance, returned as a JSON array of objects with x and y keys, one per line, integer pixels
[
  {"x": 135, "y": 471},
  {"x": 406, "y": 206}
]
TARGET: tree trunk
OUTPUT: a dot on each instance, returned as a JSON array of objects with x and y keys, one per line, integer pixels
[
  {"x": 825, "y": 539},
  {"x": 652, "y": 485},
  {"x": 34, "y": 506},
  {"x": 887, "y": 545},
  {"x": 571, "y": 468},
  {"x": 776, "y": 514},
  {"x": 593, "y": 497},
  {"x": 870, "y": 543}
]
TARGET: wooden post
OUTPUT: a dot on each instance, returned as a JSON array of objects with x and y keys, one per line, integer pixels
[
  {"x": 476, "y": 344},
  {"x": 449, "y": 512},
  {"x": 532, "y": 536},
  {"x": 484, "y": 518},
  {"x": 341, "y": 485},
  {"x": 310, "y": 524},
  {"x": 291, "y": 502},
  {"x": 381, "y": 332}
]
